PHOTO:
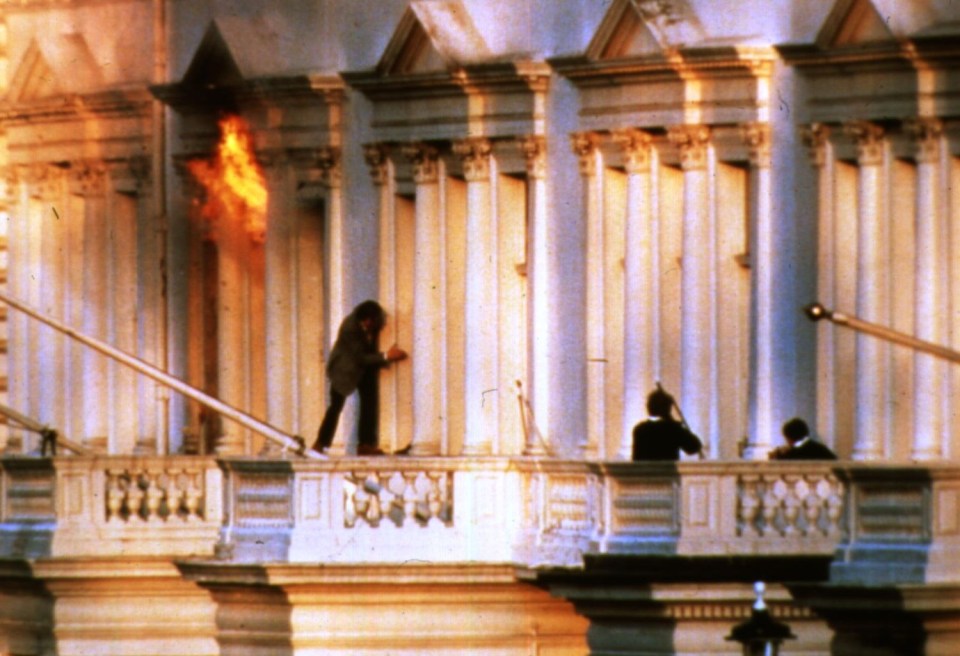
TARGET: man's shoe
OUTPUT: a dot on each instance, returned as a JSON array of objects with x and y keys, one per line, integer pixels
[{"x": 369, "y": 450}]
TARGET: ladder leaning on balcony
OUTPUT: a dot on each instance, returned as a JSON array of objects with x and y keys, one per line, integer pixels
[{"x": 286, "y": 441}]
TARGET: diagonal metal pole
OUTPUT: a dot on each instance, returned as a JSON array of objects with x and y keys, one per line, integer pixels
[
  {"x": 816, "y": 312},
  {"x": 286, "y": 440}
]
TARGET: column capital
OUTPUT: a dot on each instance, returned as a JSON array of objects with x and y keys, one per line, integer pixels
[
  {"x": 757, "y": 136},
  {"x": 87, "y": 178},
  {"x": 44, "y": 181},
  {"x": 869, "y": 139},
  {"x": 692, "y": 140},
  {"x": 816, "y": 137},
  {"x": 534, "y": 149},
  {"x": 926, "y": 134},
  {"x": 377, "y": 157},
  {"x": 331, "y": 170},
  {"x": 474, "y": 152},
  {"x": 424, "y": 159},
  {"x": 636, "y": 147},
  {"x": 9, "y": 180},
  {"x": 585, "y": 146}
]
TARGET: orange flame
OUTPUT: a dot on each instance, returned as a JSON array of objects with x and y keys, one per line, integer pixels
[{"x": 233, "y": 180}]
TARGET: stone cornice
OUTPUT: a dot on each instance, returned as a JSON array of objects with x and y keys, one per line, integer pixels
[
  {"x": 507, "y": 76},
  {"x": 274, "y": 90},
  {"x": 914, "y": 53},
  {"x": 104, "y": 104},
  {"x": 716, "y": 62}
]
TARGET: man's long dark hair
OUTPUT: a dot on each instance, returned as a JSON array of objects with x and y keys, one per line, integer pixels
[{"x": 371, "y": 310}]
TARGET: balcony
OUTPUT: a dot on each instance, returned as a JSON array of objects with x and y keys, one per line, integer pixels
[{"x": 878, "y": 523}]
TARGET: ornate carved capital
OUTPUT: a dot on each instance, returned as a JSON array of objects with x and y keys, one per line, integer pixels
[
  {"x": 869, "y": 139},
  {"x": 424, "y": 159},
  {"x": 636, "y": 149},
  {"x": 331, "y": 170},
  {"x": 9, "y": 181},
  {"x": 584, "y": 146},
  {"x": 693, "y": 141},
  {"x": 926, "y": 133},
  {"x": 377, "y": 158},
  {"x": 44, "y": 181},
  {"x": 88, "y": 178},
  {"x": 534, "y": 149},
  {"x": 757, "y": 137},
  {"x": 816, "y": 137},
  {"x": 474, "y": 152}
]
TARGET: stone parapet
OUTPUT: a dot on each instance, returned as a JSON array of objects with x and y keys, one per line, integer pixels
[{"x": 881, "y": 524}]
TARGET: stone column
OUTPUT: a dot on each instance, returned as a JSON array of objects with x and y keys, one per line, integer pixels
[
  {"x": 698, "y": 333},
  {"x": 641, "y": 298},
  {"x": 764, "y": 419},
  {"x": 871, "y": 396},
  {"x": 481, "y": 311},
  {"x": 231, "y": 312},
  {"x": 11, "y": 441},
  {"x": 585, "y": 146},
  {"x": 429, "y": 335},
  {"x": 539, "y": 290},
  {"x": 94, "y": 305},
  {"x": 817, "y": 139},
  {"x": 381, "y": 174},
  {"x": 931, "y": 263}
]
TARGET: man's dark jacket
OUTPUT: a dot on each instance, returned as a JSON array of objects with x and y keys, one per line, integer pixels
[
  {"x": 809, "y": 450},
  {"x": 352, "y": 354},
  {"x": 662, "y": 439}
]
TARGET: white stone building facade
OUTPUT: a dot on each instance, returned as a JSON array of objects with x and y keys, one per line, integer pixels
[{"x": 560, "y": 204}]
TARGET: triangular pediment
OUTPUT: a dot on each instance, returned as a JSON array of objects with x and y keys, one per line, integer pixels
[
  {"x": 233, "y": 50},
  {"x": 54, "y": 68},
  {"x": 852, "y": 22},
  {"x": 635, "y": 28},
  {"x": 431, "y": 37}
]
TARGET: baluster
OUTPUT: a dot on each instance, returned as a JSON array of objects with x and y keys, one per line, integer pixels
[
  {"x": 749, "y": 505},
  {"x": 174, "y": 493},
  {"x": 350, "y": 510},
  {"x": 192, "y": 497},
  {"x": 154, "y": 497},
  {"x": 374, "y": 506},
  {"x": 409, "y": 495},
  {"x": 792, "y": 499},
  {"x": 436, "y": 503},
  {"x": 769, "y": 504},
  {"x": 134, "y": 499},
  {"x": 115, "y": 496},
  {"x": 834, "y": 503}
]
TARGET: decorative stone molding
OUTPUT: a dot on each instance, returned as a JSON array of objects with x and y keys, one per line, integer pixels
[
  {"x": 377, "y": 156},
  {"x": 693, "y": 142},
  {"x": 44, "y": 181},
  {"x": 788, "y": 504},
  {"x": 474, "y": 152},
  {"x": 398, "y": 496},
  {"x": 927, "y": 134},
  {"x": 869, "y": 140},
  {"x": 534, "y": 150},
  {"x": 331, "y": 169},
  {"x": 757, "y": 136},
  {"x": 816, "y": 137},
  {"x": 636, "y": 147},
  {"x": 585, "y": 146},
  {"x": 424, "y": 159}
]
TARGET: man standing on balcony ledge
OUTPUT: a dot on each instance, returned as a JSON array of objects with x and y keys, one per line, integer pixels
[
  {"x": 661, "y": 437},
  {"x": 354, "y": 364},
  {"x": 801, "y": 445}
]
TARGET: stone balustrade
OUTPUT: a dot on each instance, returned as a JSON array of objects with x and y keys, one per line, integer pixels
[
  {"x": 108, "y": 506},
  {"x": 876, "y": 521}
]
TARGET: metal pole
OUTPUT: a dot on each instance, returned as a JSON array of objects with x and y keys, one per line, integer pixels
[
  {"x": 287, "y": 441},
  {"x": 816, "y": 312}
]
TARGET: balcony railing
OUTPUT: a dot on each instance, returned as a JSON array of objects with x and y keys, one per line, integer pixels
[{"x": 897, "y": 523}]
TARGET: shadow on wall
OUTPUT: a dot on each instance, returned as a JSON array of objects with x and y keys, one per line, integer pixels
[{"x": 866, "y": 621}]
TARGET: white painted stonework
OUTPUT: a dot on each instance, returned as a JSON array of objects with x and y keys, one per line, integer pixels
[{"x": 559, "y": 205}]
